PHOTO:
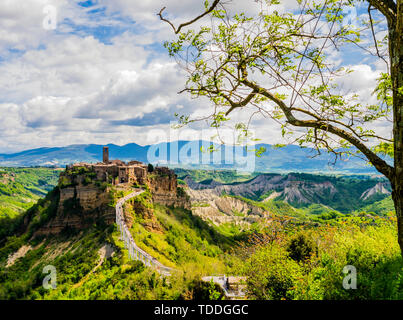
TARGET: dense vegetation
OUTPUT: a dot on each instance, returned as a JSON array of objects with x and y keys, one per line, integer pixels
[
  {"x": 307, "y": 263},
  {"x": 347, "y": 199},
  {"x": 187, "y": 243},
  {"x": 298, "y": 253},
  {"x": 283, "y": 261},
  {"x": 20, "y": 188},
  {"x": 221, "y": 176}
]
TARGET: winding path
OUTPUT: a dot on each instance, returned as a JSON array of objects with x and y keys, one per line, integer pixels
[{"x": 135, "y": 252}]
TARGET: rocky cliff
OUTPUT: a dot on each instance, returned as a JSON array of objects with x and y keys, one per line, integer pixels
[
  {"x": 165, "y": 190},
  {"x": 379, "y": 188},
  {"x": 288, "y": 188},
  {"x": 84, "y": 200},
  {"x": 224, "y": 209},
  {"x": 344, "y": 194},
  {"x": 141, "y": 207}
]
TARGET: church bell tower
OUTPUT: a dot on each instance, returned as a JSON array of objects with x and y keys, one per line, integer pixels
[{"x": 105, "y": 158}]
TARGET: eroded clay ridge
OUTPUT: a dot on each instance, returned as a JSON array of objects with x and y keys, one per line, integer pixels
[{"x": 135, "y": 252}]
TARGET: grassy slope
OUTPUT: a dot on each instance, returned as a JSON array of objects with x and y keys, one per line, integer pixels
[
  {"x": 196, "y": 249},
  {"x": 222, "y": 176},
  {"x": 20, "y": 188},
  {"x": 382, "y": 207},
  {"x": 186, "y": 242},
  {"x": 308, "y": 263},
  {"x": 347, "y": 200},
  {"x": 190, "y": 245}
]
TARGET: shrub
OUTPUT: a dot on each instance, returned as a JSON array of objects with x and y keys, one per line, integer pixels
[
  {"x": 301, "y": 248},
  {"x": 271, "y": 274},
  {"x": 180, "y": 193},
  {"x": 87, "y": 181},
  {"x": 136, "y": 266},
  {"x": 201, "y": 290},
  {"x": 150, "y": 167}
]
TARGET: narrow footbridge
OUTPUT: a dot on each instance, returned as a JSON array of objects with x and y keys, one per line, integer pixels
[
  {"x": 135, "y": 252},
  {"x": 231, "y": 290}
]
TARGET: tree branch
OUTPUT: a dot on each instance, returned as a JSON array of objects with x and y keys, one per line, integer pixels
[
  {"x": 177, "y": 30},
  {"x": 376, "y": 161},
  {"x": 387, "y": 7},
  {"x": 241, "y": 104},
  {"x": 374, "y": 37}
]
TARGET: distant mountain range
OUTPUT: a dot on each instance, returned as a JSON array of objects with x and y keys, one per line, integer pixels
[{"x": 193, "y": 155}]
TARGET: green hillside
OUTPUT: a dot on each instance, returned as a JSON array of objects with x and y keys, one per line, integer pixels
[
  {"x": 382, "y": 207},
  {"x": 296, "y": 253},
  {"x": 297, "y": 260},
  {"x": 20, "y": 188},
  {"x": 344, "y": 196},
  {"x": 221, "y": 176},
  {"x": 308, "y": 262},
  {"x": 184, "y": 242}
]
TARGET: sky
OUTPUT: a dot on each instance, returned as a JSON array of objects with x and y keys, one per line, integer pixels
[{"x": 97, "y": 72}]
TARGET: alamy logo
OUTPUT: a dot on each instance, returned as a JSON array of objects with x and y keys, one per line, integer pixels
[
  {"x": 50, "y": 20},
  {"x": 350, "y": 280},
  {"x": 49, "y": 282},
  {"x": 236, "y": 153}
]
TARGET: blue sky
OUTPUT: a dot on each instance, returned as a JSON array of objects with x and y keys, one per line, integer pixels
[
  {"x": 107, "y": 25},
  {"x": 103, "y": 76}
]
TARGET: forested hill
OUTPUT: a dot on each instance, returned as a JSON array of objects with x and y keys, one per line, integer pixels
[
  {"x": 290, "y": 158},
  {"x": 344, "y": 194},
  {"x": 281, "y": 257},
  {"x": 20, "y": 188}
]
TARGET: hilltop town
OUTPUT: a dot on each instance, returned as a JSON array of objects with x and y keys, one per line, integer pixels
[
  {"x": 85, "y": 191},
  {"x": 117, "y": 172}
]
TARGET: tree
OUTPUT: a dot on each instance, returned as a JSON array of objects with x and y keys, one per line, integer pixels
[
  {"x": 150, "y": 167},
  {"x": 278, "y": 66}
]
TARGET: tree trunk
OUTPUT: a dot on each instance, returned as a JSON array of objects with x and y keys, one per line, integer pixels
[
  {"x": 396, "y": 59},
  {"x": 398, "y": 202}
]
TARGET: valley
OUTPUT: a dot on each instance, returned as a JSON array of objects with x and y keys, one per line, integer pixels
[
  {"x": 201, "y": 223},
  {"x": 344, "y": 194},
  {"x": 201, "y": 150}
]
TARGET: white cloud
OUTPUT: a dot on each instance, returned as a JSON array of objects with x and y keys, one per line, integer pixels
[
  {"x": 70, "y": 91},
  {"x": 361, "y": 81},
  {"x": 66, "y": 86}
]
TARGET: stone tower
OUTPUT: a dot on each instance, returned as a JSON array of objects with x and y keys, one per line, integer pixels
[{"x": 105, "y": 158}]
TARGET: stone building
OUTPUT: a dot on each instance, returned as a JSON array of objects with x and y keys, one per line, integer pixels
[
  {"x": 105, "y": 155},
  {"x": 132, "y": 174},
  {"x": 116, "y": 171}
]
